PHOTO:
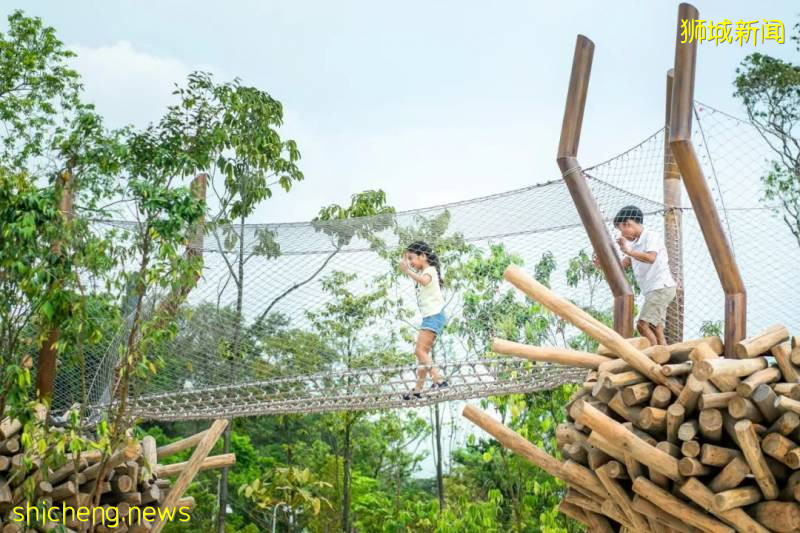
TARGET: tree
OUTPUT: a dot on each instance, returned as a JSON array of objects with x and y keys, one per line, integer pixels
[
  {"x": 294, "y": 488},
  {"x": 770, "y": 91}
]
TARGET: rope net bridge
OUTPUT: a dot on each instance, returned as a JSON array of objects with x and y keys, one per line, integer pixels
[{"x": 312, "y": 317}]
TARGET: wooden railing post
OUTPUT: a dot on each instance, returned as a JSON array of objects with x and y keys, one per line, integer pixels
[
  {"x": 673, "y": 227},
  {"x": 584, "y": 201},
  {"x": 680, "y": 141}
]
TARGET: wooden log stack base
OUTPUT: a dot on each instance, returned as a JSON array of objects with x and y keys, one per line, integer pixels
[
  {"x": 692, "y": 442},
  {"x": 131, "y": 477}
]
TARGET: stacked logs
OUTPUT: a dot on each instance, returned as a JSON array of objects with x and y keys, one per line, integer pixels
[
  {"x": 671, "y": 438},
  {"x": 131, "y": 480}
]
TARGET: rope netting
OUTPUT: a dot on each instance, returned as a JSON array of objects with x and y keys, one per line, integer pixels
[{"x": 310, "y": 317}]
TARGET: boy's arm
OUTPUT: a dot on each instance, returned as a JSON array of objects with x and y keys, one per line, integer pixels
[{"x": 644, "y": 257}]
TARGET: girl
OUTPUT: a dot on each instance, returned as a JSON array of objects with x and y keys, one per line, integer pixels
[{"x": 421, "y": 264}]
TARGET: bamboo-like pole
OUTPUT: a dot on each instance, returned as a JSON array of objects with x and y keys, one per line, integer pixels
[
  {"x": 585, "y": 203},
  {"x": 680, "y": 141},
  {"x": 673, "y": 227}
]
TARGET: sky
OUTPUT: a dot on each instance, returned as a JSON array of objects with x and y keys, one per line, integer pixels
[{"x": 433, "y": 102}]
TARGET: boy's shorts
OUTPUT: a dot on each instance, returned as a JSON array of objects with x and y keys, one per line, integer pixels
[{"x": 655, "y": 306}]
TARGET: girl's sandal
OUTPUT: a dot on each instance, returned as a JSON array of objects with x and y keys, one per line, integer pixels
[{"x": 441, "y": 385}]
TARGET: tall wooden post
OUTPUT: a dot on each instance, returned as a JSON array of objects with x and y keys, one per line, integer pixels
[
  {"x": 48, "y": 354},
  {"x": 680, "y": 141},
  {"x": 673, "y": 229},
  {"x": 584, "y": 201}
]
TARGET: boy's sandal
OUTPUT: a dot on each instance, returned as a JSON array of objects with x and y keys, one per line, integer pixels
[
  {"x": 442, "y": 384},
  {"x": 411, "y": 394}
]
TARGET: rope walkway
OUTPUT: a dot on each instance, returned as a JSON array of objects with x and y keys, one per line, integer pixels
[{"x": 373, "y": 388}]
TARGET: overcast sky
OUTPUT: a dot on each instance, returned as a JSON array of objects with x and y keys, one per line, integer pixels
[{"x": 433, "y": 102}]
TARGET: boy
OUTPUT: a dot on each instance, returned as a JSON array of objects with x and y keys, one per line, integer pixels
[{"x": 644, "y": 250}]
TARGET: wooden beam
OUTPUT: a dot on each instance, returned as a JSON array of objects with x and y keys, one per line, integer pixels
[
  {"x": 585, "y": 203},
  {"x": 194, "y": 463},
  {"x": 548, "y": 354},
  {"x": 680, "y": 140}
]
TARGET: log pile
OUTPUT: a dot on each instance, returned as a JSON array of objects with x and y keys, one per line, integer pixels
[
  {"x": 671, "y": 438},
  {"x": 131, "y": 480}
]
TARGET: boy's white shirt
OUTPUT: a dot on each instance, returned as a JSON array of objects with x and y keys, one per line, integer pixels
[
  {"x": 429, "y": 297},
  {"x": 656, "y": 275}
]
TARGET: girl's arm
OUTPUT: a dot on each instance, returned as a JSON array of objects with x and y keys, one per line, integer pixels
[{"x": 422, "y": 279}]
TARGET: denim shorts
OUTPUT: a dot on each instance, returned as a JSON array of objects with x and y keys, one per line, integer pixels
[{"x": 434, "y": 323}]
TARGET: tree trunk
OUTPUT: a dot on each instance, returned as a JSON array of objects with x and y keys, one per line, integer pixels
[
  {"x": 223, "y": 478},
  {"x": 439, "y": 478},
  {"x": 223, "y": 482},
  {"x": 346, "y": 481}
]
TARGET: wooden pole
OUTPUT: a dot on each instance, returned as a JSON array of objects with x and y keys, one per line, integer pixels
[
  {"x": 589, "y": 325},
  {"x": 585, "y": 203},
  {"x": 548, "y": 354},
  {"x": 751, "y": 448},
  {"x": 673, "y": 221},
  {"x": 680, "y": 140},
  {"x": 192, "y": 466},
  {"x": 612, "y": 430},
  {"x": 672, "y": 505},
  {"x": 179, "y": 446}
]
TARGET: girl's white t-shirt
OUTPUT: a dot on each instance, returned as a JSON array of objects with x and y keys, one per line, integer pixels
[{"x": 429, "y": 297}]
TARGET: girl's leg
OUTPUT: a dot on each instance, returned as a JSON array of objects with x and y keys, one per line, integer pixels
[{"x": 425, "y": 340}]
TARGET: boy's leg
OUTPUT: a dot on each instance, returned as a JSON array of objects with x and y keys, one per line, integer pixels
[
  {"x": 645, "y": 330},
  {"x": 660, "y": 335}
]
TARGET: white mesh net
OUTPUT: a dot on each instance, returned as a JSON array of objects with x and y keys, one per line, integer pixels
[{"x": 277, "y": 357}]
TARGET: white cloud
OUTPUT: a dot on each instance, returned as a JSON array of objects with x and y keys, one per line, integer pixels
[{"x": 127, "y": 85}]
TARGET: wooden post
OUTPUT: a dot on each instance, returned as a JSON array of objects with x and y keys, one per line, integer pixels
[
  {"x": 680, "y": 141},
  {"x": 673, "y": 224},
  {"x": 581, "y": 195},
  {"x": 194, "y": 463}
]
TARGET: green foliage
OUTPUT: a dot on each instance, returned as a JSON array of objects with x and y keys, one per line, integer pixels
[
  {"x": 769, "y": 88},
  {"x": 37, "y": 90},
  {"x": 711, "y": 328}
]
